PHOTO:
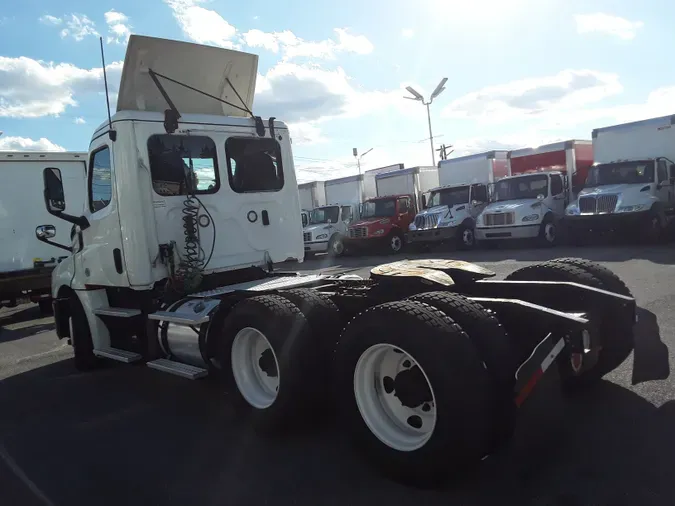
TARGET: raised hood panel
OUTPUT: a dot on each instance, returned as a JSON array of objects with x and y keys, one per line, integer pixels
[{"x": 203, "y": 67}]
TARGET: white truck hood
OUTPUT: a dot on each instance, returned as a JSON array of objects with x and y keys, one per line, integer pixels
[
  {"x": 509, "y": 206},
  {"x": 317, "y": 226},
  {"x": 441, "y": 209},
  {"x": 614, "y": 189},
  {"x": 628, "y": 195}
]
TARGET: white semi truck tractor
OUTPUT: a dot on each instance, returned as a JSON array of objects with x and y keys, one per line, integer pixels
[{"x": 192, "y": 200}]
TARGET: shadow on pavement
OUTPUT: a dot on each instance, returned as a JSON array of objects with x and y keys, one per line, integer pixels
[
  {"x": 22, "y": 321},
  {"x": 129, "y": 435}
]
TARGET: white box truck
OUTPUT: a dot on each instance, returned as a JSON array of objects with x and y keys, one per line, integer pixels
[
  {"x": 25, "y": 263},
  {"x": 350, "y": 189},
  {"x": 412, "y": 181},
  {"x": 312, "y": 195},
  {"x": 418, "y": 371},
  {"x": 530, "y": 202},
  {"x": 453, "y": 206},
  {"x": 630, "y": 187}
]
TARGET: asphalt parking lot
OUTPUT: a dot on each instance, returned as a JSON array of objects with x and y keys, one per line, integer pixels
[{"x": 130, "y": 435}]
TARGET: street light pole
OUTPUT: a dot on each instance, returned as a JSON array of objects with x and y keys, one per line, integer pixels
[
  {"x": 418, "y": 96},
  {"x": 355, "y": 152}
]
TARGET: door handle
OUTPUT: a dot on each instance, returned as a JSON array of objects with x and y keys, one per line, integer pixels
[{"x": 265, "y": 217}]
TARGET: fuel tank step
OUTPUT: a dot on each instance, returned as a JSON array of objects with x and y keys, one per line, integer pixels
[
  {"x": 179, "y": 318},
  {"x": 120, "y": 312},
  {"x": 182, "y": 370},
  {"x": 120, "y": 355}
]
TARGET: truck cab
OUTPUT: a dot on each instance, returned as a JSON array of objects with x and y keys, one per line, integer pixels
[
  {"x": 327, "y": 228},
  {"x": 526, "y": 206},
  {"x": 450, "y": 215},
  {"x": 636, "y": 196},
  {"x": 383, "y": 222}
]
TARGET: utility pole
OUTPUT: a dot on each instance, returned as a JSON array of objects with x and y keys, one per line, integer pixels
[
  {"x": 418, "y": 96},
  {"x": 355, "y": 152}
]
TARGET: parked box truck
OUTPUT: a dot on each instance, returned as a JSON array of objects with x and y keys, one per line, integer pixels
[
  {"x": 413, "y": 181},
  {"x": 350, "y": 189},
  {"x": 26, "y": 264},
  {"x": 312, "y": 195},
  {"x": 629, "y": 188},
  {"x": 452, "y": 207},
  {"x": 530, "y": 203}
]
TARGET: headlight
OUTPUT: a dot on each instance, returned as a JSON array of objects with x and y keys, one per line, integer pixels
[
  {"x": 572, "y": 211},
  {"x": 379, "y": 232},
  {"x": 322, "y": 236},
  {"x": 630, "y": 209},
  {"x": 412, "y": 226},
  {"x": 531, "y": 217}
]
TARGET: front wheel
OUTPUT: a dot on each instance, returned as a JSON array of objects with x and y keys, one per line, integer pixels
[
  {"x": 395, "y": 244},
  {"x": 548, "y": 233},
  {"x": 413, "y": 392},
  {"x": 336, "y": 247}
]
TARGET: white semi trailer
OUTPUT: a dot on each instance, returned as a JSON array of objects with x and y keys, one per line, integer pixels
[
  {"x": 630, "y": 188},
  {"x": 192, "y": 199},
  {"x": 25, "y": 263}
]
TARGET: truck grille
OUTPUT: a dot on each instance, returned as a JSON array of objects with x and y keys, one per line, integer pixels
[
  {"x": 355, "y": 233},
  {"x": 598, "y": 204},
  {"x": 307, "y": 236},
  {"x": 496, "y": 219},
  {"x": 426, "y": 221}
]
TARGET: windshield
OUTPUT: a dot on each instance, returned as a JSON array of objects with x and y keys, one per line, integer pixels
[
  {"x": 378, "y": 208},
  {"x": 449, "y": 197},
  {"x": 521, "y": 188},
  {"x": 620, "y": 173},
  {"x": 323, "y": 214}
]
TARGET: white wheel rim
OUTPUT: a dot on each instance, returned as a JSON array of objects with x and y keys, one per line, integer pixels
[
  {"x": 337, "y": 246},
  {"x": 395, "y": 243},
  {"x": 399, "y": 427},
  {"x": 258, "y": 384},
  {"x": 468, "y": 237}
]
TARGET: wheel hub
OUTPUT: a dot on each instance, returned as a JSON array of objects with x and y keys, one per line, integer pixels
[{"x": 410, "y": 387}]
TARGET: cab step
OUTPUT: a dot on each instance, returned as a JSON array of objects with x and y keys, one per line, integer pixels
[
  {"x": 120, "y": 355},
  {"x": 179, "y": 318},
  {"x": 182, "y": 370},
  {"x": 120, "y": 312}
]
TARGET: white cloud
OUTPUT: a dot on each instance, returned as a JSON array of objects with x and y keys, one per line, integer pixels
[
  {"x": 50, "y": 20},
  {"x": 78, "y": 26},
  {"x": 31, "y": 88},
  {"x": 292, "y": 46},
  {"x": 408, "y": 33},
  {"x": 607, "y": 24},
  {"x": 79, "y": 121},
  {"x": 119, "y": 28},
  {"x": 201, "y": 25},
  {"x": 306, "y": 133},
  {"x": 536, "y": 97},
  {"x": 27, "y": 144}
]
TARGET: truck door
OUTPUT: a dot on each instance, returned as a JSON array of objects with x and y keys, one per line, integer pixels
[
  {"x": 100, "y": 260},
  {"x": 558, "y": 197},
  {"x": 405, "y": 213},
  {"x": 345, "y": 219},
  {"x": 664, "y": 189},
  {"x": 479, "y": 195}
]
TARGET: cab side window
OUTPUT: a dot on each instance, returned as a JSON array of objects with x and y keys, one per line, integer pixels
[
  {"x": 480, "y": 193},
  {"x": 100, "y": 179},
  {"x": 662, "y": 171},
  {"x": 403, "y": 206},
  {"x": 346, "y": 214},
  {"x": 254, "y": 164},
  {"x": 556, "y": 185}
]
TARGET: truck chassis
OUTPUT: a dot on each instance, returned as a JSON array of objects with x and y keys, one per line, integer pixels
[{"x": 425, "y": 362}]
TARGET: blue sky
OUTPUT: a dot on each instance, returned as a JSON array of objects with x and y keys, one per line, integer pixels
[{"x": 520, "y": 72}]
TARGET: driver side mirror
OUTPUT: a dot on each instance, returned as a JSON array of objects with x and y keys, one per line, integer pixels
[
  {"x": 45, "y": 232},
  {"x": 424, "y": 201},
  {"x": 476, "y": 203},
  {"x": 53, "y": 192},
  {"x": 540, "y": 197}
]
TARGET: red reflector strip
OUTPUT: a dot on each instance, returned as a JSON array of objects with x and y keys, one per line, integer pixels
[{"x": 545, "y": 364}]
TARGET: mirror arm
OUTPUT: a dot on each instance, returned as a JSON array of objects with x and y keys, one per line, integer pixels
[
  {"x": 80, "y": 221},
  {"x": 56, "y": 244}
]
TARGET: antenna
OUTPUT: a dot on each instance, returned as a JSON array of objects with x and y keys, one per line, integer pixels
[{"x": 111, "y": 133}]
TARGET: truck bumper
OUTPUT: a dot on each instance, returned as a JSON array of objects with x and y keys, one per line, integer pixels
[
  {"x": 607, "y": 222},
  {"x": 432, "y": 235},
  {"x": 316, "y": 247},
  {"x": 503, "y": 233},
  {"x": 362, "y": 243}
]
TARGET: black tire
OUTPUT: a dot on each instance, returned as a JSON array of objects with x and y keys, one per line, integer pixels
[
  {"x": 395, "y": 237},
  {"x": 652, "y": 230},
  {"x": 494, "y": 348},
  {"x": 610, "y": 281},
  {"x": 336, "y": 238},
  {"x": 466, "y": 238},
  {"x": 45, "y": 306},
  {"x": 617, "y": 343},
  {"x": 462, "y": 387},
  {"x": 323, "y": 318},
  {"x": 548, "y": 233},
  {"x": 288, "y": 333},
  {"x": 83, "y": 346}
]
